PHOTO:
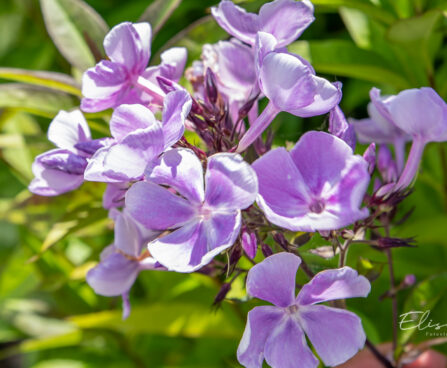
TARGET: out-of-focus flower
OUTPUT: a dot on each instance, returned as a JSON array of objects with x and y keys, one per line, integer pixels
[
  {"x": 339, "y": 126},
  {"x": 121, "y": 262},
  {"x": 284, "y": 19},
  {"x": 318, "y": 185},
  {"x": 62, "y": 170},
  {"x": 205, "y": 218},
  {"x": 276, "y": 333},
  {"x": 125, "y": 78}
]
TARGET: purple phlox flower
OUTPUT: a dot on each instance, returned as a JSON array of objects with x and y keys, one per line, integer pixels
[
  {"x": 205, "y": 218},
  {"x": 421, "y": 114},
  {"x": 276, "y": 333},
  {"x": 125, "y": 78},
  {"x": 121, "y": 262},
  {"x": 139, "y": 138},
  {"x": 380, "y": 128},
  {"x": 114, "y": 195},
  {"x": 284, "y": 19},
  {"x": 61, "y": 170},
  {"x": 339, "y": 126},
  {"x": 249, "y": 243},
  {"x": 290, "y": 83},
  {"x": 233, "y": 65},
  {"x": 370, "y": 157},
  {"x": 318, "y": 185},
  {"x": 386, "y": 165}
]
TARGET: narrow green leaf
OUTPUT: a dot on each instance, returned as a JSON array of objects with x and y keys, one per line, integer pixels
[
  {"x": 365, "y": 6},
  {"x": 36, "y": 100},
  {"x": 159, "y": 12},
  {"x": 58, "y": 81},
  {"x": 76, "y": 29},
  {"x": 343, "y": 58}
]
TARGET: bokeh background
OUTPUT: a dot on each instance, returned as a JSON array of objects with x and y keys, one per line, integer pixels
[{"x": 50, "y": 317}]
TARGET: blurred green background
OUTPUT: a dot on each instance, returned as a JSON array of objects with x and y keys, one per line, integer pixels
[{"x": 50, "y": 317}]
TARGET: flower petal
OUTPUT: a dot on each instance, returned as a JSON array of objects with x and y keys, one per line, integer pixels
[
  {"x": 197, "y": 243},
  {"x": 128, "y": 118},
  {"x": 286, "y": 346},
  {"x": 129, "y": 45},
  {"x": 230, "y": 182},
  {"x": 273, "y": 279},
  {"x": 236, "y": 21},
  {"x": 113, "y": 276},
  {"x": 180, "y": 169},
  {"x": 173, "y": 63},
  {"x": 260, "y": 323},
  {"x": 283, "y": 195},
  {"x": 336, "y": 334},
  {"x": 67, "y": 129},
  {"x": 127, "y": 237},
  {"x": 156, "y": 207},
  {"x": 334, "y": 284},
  {"x": 176, "y": 106},
  {"x": 286, "y": 19}
]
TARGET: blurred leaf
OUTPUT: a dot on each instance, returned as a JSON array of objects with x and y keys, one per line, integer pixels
[
  {"x": 36, "y": 100},
  {"x": 343, "y": 58},
  {"x": 58, "y": 81},
  {"x": 171, "y": 319},
  {"x": 10, "y": 25},
  {"x": 158, "y": 13},
  {"x": 365, "y": 6},
  {"x": 358, "y": 27},
  {"x": 75, "y": 27}
]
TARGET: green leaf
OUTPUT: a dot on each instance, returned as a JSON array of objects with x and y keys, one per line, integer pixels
[
  {"x": 343, "y": 58},
  {"x": 36, "y": 100},
  {"x": 158, "y": 13},
  {"x": 168, "y": 319},
  {"x": 365, "y": 6},
  {"x": 58, "y": 81},
  {"x": 76, "y": 29}
]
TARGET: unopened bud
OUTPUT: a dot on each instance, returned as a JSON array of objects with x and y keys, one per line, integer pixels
[{"x": 266, "y": 250}]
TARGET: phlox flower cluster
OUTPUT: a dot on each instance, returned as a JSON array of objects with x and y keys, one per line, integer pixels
[{"x": 177, "y": 207}]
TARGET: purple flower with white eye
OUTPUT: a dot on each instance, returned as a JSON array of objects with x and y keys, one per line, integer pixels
[
  {"x": 284, "y": 19},
  {"x": 318, "y": 185},
  {"x": 276, "y": 333},
  {"x": 62, "y": 170},
  {"x": 121, "y": 262},
  {"x": 290, "y": 83},
  {"x": 139, "y": 138},
  {"x": 125, "y": 78},
  {"x": 205, "y": 218}
]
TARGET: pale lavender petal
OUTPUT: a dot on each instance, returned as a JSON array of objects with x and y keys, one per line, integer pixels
[
  {"x": 287, "y": 82},
  {"x": 249, "y": 243},
  {"x": 128, "y": 159},
  {"x": 336, "y": 334},
  {"x": 261, "y": 321},
  {"x": 173, "y": 63},
  {"x": 286, "y": 19},
  {"x": 180, "y": 169},
  {"x": 334, "y": 284},
  {"x": 195, "y": 244},
  {"x": 95, "y": 170},
  {"x": 113, "y": 276},
  {"x": 339, "y": 126},
  {"x": 128, "y": 118},
  {"x": 326, "y": 96},
  {"x": 236, "y": 21},
  {"x": 176, "y": 107},
  {"x": 419, "y": 112},
  {"x": 273, "y": 279},
  {"x": 127, "y": 236},
  {"x": 287, "y": 345},
  {"x": 129, "y": 45},
  {"x": 370, "y": 157},
  {"x": 114, "y": 195},
  {"x": 156, "y": 207},
  {"x": 126, "y": 305},
  {"x": 52, "y": 182},
  {"x": 230, "y": 182},
  {"x": 67, "y": 129},
  {"x": 283, "y": 195}
]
